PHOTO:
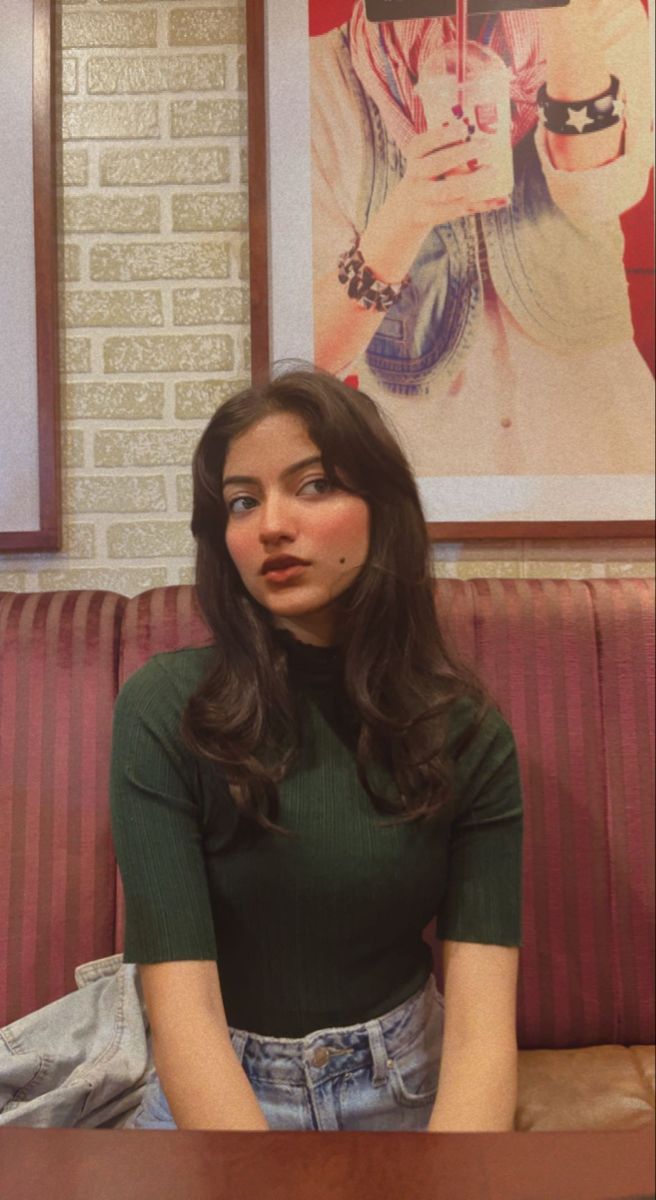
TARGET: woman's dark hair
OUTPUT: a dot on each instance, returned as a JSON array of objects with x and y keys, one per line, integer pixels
[{"x": 399, "y": 675}]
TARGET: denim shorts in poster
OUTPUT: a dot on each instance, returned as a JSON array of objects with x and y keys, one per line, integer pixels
[{"x": 381, "y": 1075}]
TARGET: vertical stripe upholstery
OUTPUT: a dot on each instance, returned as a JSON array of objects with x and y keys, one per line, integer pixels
[
  {"x": 570, "y": 665},
  {"x": 164, "y": 618},
  {"x": 58, "y": 662},
  {"x": 624, "y": 615}
]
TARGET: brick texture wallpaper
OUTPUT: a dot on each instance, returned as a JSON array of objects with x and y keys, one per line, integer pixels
[{"x": 153, "y": 240}]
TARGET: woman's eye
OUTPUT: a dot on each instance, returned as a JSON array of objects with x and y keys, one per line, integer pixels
[
  {"x": 320, "y": 479},
  {"x": 238, "y": 500}
]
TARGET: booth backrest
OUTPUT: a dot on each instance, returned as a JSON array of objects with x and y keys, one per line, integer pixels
[
  {"x": 571, "y": 666},
  {"x": 58, "y": 670}
]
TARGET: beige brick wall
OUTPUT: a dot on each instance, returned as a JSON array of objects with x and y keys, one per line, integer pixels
[{"x": 154, "y": 297}]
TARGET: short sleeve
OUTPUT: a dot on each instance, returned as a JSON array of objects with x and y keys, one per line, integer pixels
[
  {"x": 155, "y": 825},
  {"x": 482, "y": 901}
]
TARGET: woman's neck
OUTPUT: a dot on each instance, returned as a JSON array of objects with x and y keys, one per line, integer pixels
[
  {"x": 321, "y": 636},
  {"x": 313, "y": 665}
]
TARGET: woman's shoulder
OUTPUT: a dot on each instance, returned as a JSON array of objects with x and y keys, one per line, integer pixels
[
  {"x": 166, "y": 680},
  {"x": 486, "y": 724},
  {"x": 334, "y": 82},
  {"x": 326, "y": 49},
  {"x": 486, "y": 760}
]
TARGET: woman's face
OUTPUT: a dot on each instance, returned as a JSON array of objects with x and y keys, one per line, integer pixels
[{"x": 280, "y": 504}]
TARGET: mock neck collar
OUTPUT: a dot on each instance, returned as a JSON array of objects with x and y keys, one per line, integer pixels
[{"x": 321, "y": 665}]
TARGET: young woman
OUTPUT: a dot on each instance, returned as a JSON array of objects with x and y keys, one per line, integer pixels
[{"x": 292, "y": 804}]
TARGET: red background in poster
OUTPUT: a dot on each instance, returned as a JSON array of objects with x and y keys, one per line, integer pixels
[{"x": 637, "y": 223}]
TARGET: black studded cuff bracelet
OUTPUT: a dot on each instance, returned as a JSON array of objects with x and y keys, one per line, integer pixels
[
  {"x": 581, "y": 116},
  {"x": 363, "y": 285}
]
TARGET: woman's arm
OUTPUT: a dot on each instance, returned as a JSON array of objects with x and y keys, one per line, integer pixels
[
  {"x": 577, "y": 69},
  {"x": 169, "y": 929},
  {"x": 443, "y": 180},
  {"x": 201, "y": 1076},
  {"x": 480, "y": 928},
  {"x": 586, "y": 41},
  {"x": 478, "y": 1083}
]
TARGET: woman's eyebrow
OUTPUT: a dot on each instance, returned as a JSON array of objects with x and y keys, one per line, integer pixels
[{"x": 304, "y": 462}]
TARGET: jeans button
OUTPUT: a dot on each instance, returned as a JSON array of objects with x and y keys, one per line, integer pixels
[{"x": 320, "y": 1057}]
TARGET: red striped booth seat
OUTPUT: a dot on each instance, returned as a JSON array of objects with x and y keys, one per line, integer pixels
[{"x": 571, "y": 666}]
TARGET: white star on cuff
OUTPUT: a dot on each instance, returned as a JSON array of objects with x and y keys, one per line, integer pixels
[{"x": 578, "y": 118}]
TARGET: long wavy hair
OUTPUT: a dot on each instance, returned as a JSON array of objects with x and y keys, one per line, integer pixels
[{"x": 399, "y": 675}]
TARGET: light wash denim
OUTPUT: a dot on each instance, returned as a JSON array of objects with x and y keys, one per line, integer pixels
[
  {"x": 380, "y": 1075},
  {"x": 562, "y": 282},
  {"x": 85, "y": 1061},
  {"x": 82, "y": 1061}
]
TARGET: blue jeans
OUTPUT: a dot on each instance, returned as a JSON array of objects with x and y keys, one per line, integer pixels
[{"x": 381, "y": 1075}]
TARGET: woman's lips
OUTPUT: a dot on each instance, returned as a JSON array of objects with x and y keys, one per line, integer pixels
[{"x": 282, "y": 574}]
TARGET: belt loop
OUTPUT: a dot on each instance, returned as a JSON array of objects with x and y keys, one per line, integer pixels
[
  {"x": 378, "y": 1053},
  {"x": 238, "y": 1039}
]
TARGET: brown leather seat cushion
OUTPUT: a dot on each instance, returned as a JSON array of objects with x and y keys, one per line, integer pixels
[{"x": 593, "y": 1087}]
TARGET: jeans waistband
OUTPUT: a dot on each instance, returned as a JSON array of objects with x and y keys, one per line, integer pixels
[{"x": 327, "y": 1052}]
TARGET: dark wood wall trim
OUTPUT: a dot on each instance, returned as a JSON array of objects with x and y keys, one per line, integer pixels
[
  {"x": 45, "y": 247},
  {"x": 48, "y": 536},
  {"x": 463, "y": 531},
  {"x": 257, "y": 187}
]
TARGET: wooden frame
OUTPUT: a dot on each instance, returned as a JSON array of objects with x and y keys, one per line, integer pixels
[
  {"x": 47, "y": 536},
  {"x": 262, "y": 314}
]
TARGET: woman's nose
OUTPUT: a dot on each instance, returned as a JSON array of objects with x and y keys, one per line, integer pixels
[{"x": 275, "y": 517}]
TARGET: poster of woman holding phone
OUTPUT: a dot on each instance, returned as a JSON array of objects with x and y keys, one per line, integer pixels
[{"x": 468, "y": 257}]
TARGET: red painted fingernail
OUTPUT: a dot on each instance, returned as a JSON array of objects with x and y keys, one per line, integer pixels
[{"x": 472, "y": 163}]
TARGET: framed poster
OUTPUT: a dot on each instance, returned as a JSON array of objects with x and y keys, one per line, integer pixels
[
  {"x": 29, "y": 383},
  {"x": 516, "y": 359}
]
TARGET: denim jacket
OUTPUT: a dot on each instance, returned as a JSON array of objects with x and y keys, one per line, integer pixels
[
  {"x": 562, "y": 279},
  {"x": 82, "y": 1061}
]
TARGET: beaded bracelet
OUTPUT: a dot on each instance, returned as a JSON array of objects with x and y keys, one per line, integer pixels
[
  {"x": 363, "y": 285},
  {"x": 581, "y": 116}
]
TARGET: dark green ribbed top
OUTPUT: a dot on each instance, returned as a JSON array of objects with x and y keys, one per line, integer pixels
[{"x": 322, "y": 930}]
